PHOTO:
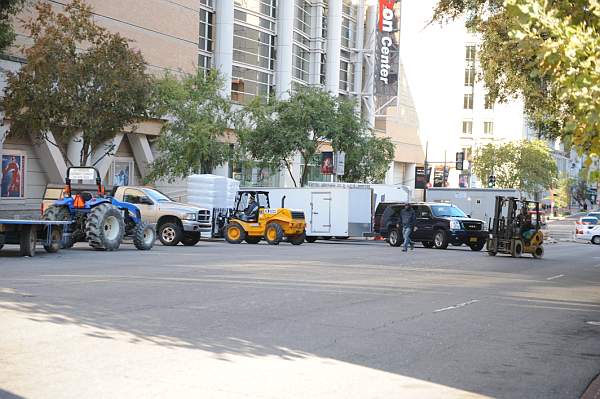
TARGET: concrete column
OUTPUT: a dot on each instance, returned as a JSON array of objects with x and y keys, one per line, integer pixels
[
  {"x": 369, "y": 57},
  {"x": 141, "y": 151},
  {"x": 104, "y": 163},
  {"x": 334, "y": 43},
  {"x": 316, "y": 44},
  {"x": 223, "y": 54},
  {"x": 51, "y": 158},
  {"x": 285, "y": 42},
  {"x": 359, "y": 45}
]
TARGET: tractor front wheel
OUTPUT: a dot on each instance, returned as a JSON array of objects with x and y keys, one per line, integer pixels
[
  {"x": 105, "y": 227},
  {"x": 144, "y": 236},
  {"x": 234, "y": 233},
  {"x": 274, "y": 234}
]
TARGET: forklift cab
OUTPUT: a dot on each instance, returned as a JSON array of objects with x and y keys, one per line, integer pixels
[{"x": 249, "y": 203}]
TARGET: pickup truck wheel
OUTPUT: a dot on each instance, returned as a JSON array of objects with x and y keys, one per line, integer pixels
[
  {"x": 440, "y": 240},
  {"x": 144, "y": 236},
  {"x": 190, "y": 239},
  {"x": 395, "y": 238},
  {"x": 478, "y": 246},
  {"x": 169, "y": 234}
]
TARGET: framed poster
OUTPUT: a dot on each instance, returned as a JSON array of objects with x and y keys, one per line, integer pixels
[
  {"x": 12, "y": 179},
  {"x": 327, "y": 163},
  {"x": 122, "y": 172}
]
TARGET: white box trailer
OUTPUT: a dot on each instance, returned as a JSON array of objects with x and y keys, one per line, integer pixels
[
  {"x": 477, "y": 202},
  {"x": 329, "y": 211},
  {"x": 381, "y": 192}
]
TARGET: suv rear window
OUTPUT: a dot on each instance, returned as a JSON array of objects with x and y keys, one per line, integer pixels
[{"x": 447, "y": 210}]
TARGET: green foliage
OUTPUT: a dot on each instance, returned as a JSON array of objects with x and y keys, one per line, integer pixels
[
  {"x": 368, "y": 160},
  {"x": 562, "y": 193},
  {"x": 8, "y": 8},
  {"x": 525, "y": 165},
  {"x": 79, "y": 78},
  {"x": 193, "y": 138},
  {"x": 546, "y": 52},
  {"x": 274, "y": 132}
]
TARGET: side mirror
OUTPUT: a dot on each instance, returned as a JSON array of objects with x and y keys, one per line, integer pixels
[
  {"x": 468, "y": 216},
  {"x": 146, "y": 201}
]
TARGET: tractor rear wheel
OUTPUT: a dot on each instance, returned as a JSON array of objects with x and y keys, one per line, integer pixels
[
  {"x": 297, "y": 240},
  {"x": 105, "y": 227},
  {"x": 273, "y": 233},
  {"x": 60, "y": 213},
  {"x": 144, "y": 236},
  {"x": 234, "y": 233}
]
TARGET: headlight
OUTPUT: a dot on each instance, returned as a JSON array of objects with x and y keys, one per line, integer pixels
[
  {"x": 484, "y": 226},
  {"x": 189, "y": 216},
  {"x": 454, "y": 224}
]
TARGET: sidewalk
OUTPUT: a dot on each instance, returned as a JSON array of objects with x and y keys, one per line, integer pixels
[{"x": 593, "y": 390}]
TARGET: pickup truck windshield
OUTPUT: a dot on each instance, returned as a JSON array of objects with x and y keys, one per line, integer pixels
[
  {"x": 446, "y": 210},
  {"x": 157, "y": 195}
]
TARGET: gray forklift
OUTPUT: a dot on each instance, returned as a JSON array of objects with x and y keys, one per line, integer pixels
[{"x": 514, "y": 230}]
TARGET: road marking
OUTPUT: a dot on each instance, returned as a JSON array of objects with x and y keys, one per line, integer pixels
[
  {"x": 593, "y": 323},
  {"x": 460, "y": 305},
  {"x": 555, "y": 277}
]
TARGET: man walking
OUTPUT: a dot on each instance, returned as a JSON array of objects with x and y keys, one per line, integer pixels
[{"x": 408, "y": 218}]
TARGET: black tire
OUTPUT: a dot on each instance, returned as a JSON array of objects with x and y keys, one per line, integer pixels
[
  {"x": 55, "y": 245},
  {"x": 253, "y": 240},
  {"x": 297, "y": 240},
  {"x": 170, "y": 234},
  {"x": 517, "y": 249},
  {"x": 311, "y": 239},
  {"x": 234, "y": 233},
  {"x": 440, "y": 239},
  {"x": 144, "y": 236},
  {"x": 273, "y": 234},
  {"x": 326, "y": 238},
  {"x": 190, "y": 239},
  {"x": 596, "y": 240},
  {"x": 28, "y": 241},
  {"x": 478, "y": 246},
  {"x": 428, "y": 244},
  {"x": 105, "y": 227},
  {"x": 60, "y": 213},
  {"x": 538, "y": 253},
  {"x": 395, "y": 238}
]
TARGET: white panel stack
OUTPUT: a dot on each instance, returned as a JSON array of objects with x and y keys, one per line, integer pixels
[{"x": 211, "y": 191}]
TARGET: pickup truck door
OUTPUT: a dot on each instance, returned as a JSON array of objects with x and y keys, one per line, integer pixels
[{"x": 137, "y": 197}]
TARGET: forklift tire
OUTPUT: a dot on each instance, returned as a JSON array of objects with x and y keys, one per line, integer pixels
[
  {"x": 190, "y": 239},
  {"x": 478, "y": 246},
  {"x": 517, "y": 249},
  {"x": 170, "y": 233},
  {"x": 273, "y": 234},
  {"x": 253, "y": 240},
  {"x": 144, "y": 236},
  {"x": 440, "y": 239},
  {"x": 428, "y": 244},
  {"x": 105, "y": 227},
  {"x": 56, "y": 236},
  {"x": 538, "y": 253},
  {"x": 28, "y": 241},
  {"x": 234, "y": 233},
  {"x": 395, "y": 238},
  {"x": 297, "y": 240},
  {"x": 60, "y": 213},
  {"x": 311, "y": 239}
]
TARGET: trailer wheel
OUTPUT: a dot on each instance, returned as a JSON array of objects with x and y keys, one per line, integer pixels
[
  {"x": 55, "y": 238},
  {"x": 105, "y": 227},
  {"x": 311, "y": 239},
  {"x": 60, "y": 213},
  {"x": 144, "y": 236},
  {"x": 28, "y": 241},
  {"x": 395, "y": 239},
  {"x": 273, "y": 234}
]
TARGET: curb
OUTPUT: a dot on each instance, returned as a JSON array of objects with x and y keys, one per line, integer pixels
[{"x": 593, "y": 390}]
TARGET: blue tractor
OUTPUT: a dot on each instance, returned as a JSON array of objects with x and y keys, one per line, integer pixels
[{"x": 99, "y": 219}]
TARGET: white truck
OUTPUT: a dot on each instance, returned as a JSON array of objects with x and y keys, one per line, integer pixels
[{"x": 330, "y": 211}]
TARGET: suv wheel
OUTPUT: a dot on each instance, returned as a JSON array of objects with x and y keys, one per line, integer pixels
[
  {"x": 169, "y": 234},
  {"x": 395, "y": 238},
  {"x": 440, "y": 240}
]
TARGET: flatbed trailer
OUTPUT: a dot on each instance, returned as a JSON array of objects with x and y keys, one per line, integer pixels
[{"x": 28, "y": 233}]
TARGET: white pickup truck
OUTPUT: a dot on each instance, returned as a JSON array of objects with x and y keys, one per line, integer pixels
[{"x": 175, "y": 222}]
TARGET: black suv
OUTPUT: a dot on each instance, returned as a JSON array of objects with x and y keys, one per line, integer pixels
[{"x": 438, "y": 224}]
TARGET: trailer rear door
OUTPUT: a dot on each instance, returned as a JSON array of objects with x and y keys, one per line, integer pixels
[{"x": 320, "y": 205}]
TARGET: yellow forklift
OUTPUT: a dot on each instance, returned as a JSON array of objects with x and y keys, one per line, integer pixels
[
  {"x": 252, "y": 220},
  {"x": 513, "y": 230}
]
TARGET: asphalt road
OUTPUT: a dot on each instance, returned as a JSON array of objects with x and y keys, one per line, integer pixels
[{"x": 325, "y": 320}]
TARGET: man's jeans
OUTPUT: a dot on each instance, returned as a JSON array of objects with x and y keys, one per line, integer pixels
[{"x": 406, "y": 232}]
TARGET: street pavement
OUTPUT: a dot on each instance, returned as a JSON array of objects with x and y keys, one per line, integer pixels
[{"x": 338, "y": 319}]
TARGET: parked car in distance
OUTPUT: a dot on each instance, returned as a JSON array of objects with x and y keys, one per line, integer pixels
[
  {"x": 438, "y": 225},
  {"x": 595, "y": 214},
  {"x": 175, "y": 222},
  {"x": 587, "y": 228}
]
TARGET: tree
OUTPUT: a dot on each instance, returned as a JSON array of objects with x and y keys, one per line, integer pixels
[
  {"x": 546, "y": 52},
  {"x": 80, "y": 82},
  {"x": 368, "y": 160},
  {"x": 193, "y": 138},
  {"x": 275, "y": 131},
  {"x": 525, "y": 165},
  {"x": 562, "y": 193},
  {"x": 8, "y": 8}
]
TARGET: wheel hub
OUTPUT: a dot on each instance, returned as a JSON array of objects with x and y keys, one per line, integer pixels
[{"x": 168, "y": 234}]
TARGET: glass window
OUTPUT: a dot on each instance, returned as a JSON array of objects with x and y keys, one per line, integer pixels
[
  {"x": 253, "y": 47},
  {"x": 346, "y": 75},
  {"x": 302, "y": 19},
  {"x": 205, "y": 42},
  {"x": 208, "y": 3},
  {"x": 467, "y": 127},
  {"x": 301, "y": 61},
  {"x": 204, "y": 62},
  {"x": 133, "y": 196},
  {"x": 469, "y": 76},
  {"x": 488, "y": 127},
  {"x": 468, "y": 101},
  {"x": 447, "y": 210},
  {"x": 489, "y": 104},
  {"x": 156, "y": 195},
  {"x": 264, "y": 7},
  {"x": 248, "y": 82},
  {"x": 470, "y": 53}
]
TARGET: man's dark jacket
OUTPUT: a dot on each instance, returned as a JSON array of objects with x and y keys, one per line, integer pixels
[{"x": 408, "y": 217}]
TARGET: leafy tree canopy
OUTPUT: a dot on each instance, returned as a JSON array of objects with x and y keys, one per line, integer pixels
[
  {"x": 368, "y": 160},
  {"x": 79, "y": 79},
  {"x": 193, "y": 138},
  {"x": 547, "y": 52},
  {"x": 8, "y": 8},
  {"x": 526, "y": 165}
]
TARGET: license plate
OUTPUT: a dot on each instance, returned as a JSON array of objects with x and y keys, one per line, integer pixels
[{"x": 473, "y": 239}]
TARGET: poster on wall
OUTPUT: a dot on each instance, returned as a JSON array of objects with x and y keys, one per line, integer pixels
[
  {"x": 387, "y": 54},
  {"x": 122, "y": 173},
  {"x": 327, "y": 163},
  {"x": 12, "y": 180}
]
